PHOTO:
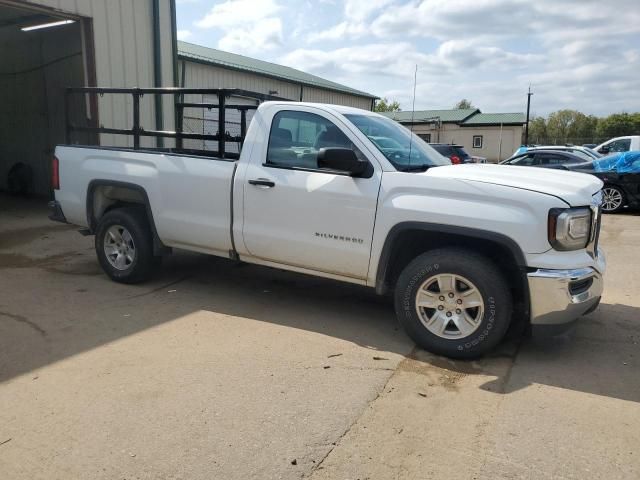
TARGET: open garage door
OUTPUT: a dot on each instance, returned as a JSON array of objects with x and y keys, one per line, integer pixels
[{"x": 41, "y": 53}]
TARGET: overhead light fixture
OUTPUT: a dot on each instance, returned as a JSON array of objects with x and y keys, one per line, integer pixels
[{"x": 47, "y": 25}]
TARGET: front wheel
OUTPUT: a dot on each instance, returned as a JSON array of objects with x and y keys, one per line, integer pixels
[
  {"x": 453, "y": 302},
  {"x": 612, "y": 199}
]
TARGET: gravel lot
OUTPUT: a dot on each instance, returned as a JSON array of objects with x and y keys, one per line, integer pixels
[{"x": 220, "y": 370}]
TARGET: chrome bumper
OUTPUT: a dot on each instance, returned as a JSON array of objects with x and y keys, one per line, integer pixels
[{"x": 560, "y": 296}]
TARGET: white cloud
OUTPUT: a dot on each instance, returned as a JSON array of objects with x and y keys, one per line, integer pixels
[
  {"x": 249, "y": 26},
  {"x": 576, "y": 53},
  {"x": 360, "y": 10},
  {"x": 341, "y": 30},
  {"x": 183, "y": 34},
  {"x": 238, "y": 13},
  {"x": 356, "y": 12},
  {"x": 398, "y": 59},
  {"x": 263, "y": 35},
  {"x": 548, "y": 19}
]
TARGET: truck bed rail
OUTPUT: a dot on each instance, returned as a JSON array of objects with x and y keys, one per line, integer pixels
[{"x": 222, "y": 136}]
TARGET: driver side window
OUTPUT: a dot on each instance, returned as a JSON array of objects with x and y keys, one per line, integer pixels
[
  {"x": 620, "y": 145},
  {"x": 296, "y": 138}
]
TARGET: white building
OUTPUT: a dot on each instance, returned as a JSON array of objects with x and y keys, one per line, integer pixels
[{"x": 492, "y": 135}]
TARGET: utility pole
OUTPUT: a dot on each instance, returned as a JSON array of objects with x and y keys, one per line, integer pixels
[{"x": 526, "y": 132}]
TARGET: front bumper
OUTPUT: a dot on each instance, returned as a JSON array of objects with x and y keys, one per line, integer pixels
[{"x": 558, "y": 297}]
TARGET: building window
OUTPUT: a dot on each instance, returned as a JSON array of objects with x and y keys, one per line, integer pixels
[
  {"x": 425, "y": 136},
  {"x": 477, "y": 141}
]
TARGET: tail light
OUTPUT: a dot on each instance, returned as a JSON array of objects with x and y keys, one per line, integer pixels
[
  {"x": 455, "y": 159},
  {"x": 55, "y": 173}
]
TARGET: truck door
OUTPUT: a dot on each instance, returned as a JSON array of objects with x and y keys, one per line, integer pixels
[{"x": 298, "y": 214}]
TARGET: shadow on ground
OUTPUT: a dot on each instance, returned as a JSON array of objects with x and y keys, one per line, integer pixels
[{"x": 57, "y": 304}]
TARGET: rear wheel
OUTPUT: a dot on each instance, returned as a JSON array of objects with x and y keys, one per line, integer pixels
[
  {"x": 453, "y": 302},
  {"x": 612, "y": 199},
  {"x": 124, "y": 245}
]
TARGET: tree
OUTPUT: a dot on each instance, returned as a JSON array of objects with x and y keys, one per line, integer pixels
[
  {"x": 383, "y": 105},
  {"x": 570, "y": 126},
  {"x": 464, "y": 104},
  {"x": 537, "y": 130},
  {"x": 618, "y": 125}
]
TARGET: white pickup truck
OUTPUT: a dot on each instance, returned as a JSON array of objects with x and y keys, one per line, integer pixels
[{"x": 465, "y": 249}]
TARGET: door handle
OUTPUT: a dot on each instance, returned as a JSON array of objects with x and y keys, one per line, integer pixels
[{"x": 262, "y": 182}]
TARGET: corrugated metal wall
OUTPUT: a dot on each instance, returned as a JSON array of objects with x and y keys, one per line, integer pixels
[
  {"x": 123, "y": 41},
  {"x": 319, "y": 95},
  {"x": 47, "y": 61},
  {"x": 198, "y": 75}
]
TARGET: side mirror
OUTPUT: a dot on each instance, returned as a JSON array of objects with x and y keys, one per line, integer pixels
[
  {"x": 342, "y": 159},
  {"x": 604, "y": 149}
]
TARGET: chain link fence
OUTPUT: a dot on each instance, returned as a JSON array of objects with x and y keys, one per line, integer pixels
[{"x": 550, "y": 140}]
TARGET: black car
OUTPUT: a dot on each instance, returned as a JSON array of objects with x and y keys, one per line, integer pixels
[
  {"x": 621, "y": 176},
  {"x": 455, "y": 153},
  {"x": 546, "y": 159}
]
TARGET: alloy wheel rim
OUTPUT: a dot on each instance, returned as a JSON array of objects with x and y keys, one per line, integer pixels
[
  {"x": 119, "y": 247},
  {"x": 612, "y": 199},
  {"x": 450, "y": 306}
]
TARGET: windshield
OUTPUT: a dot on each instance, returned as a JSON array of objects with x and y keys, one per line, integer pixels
[
  {"x": 592, "y": 153},
  {"x": 385, "y": 142},
  {"x": 406, "y": 151}
]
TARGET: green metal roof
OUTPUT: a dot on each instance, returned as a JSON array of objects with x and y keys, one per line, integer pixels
[
  {"x": 456, "y": 115},
  {"x": 496, "y": 119},
  {"x": 212, "y": 56}
]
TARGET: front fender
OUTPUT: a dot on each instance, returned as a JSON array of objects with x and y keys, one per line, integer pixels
[{"x": 516, "y": 216}]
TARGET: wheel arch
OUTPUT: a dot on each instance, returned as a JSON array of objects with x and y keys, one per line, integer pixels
[
  {"x": 104, "y": 195},
  {"x": 407, "y": 240},
  {"x": 616, "y": 184}
]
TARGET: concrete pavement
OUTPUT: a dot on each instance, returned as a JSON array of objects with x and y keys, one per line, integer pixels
[{"x": 219, "y": 370}]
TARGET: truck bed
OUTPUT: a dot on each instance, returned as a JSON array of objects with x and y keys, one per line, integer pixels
[{"x": 189, "y": 196}]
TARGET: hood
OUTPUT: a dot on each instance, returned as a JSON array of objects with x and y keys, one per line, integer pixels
[{"x": 574, "y": 188}]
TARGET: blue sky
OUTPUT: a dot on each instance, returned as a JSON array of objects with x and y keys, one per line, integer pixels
[{"x": 581, "y": 54}]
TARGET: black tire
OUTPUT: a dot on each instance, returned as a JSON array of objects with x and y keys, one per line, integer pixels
[
  {"x": 620, "y": 192},
  {"x": 134, "y": 220},
  {"x": 492, "y": 320}
]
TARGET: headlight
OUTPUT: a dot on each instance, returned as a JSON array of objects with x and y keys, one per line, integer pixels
[{"x": 569, "y": 228}]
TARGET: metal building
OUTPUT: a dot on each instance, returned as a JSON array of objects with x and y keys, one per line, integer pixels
[
  {"x": 48, "y": 45},
  {"x": 202, "y": 67}
]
